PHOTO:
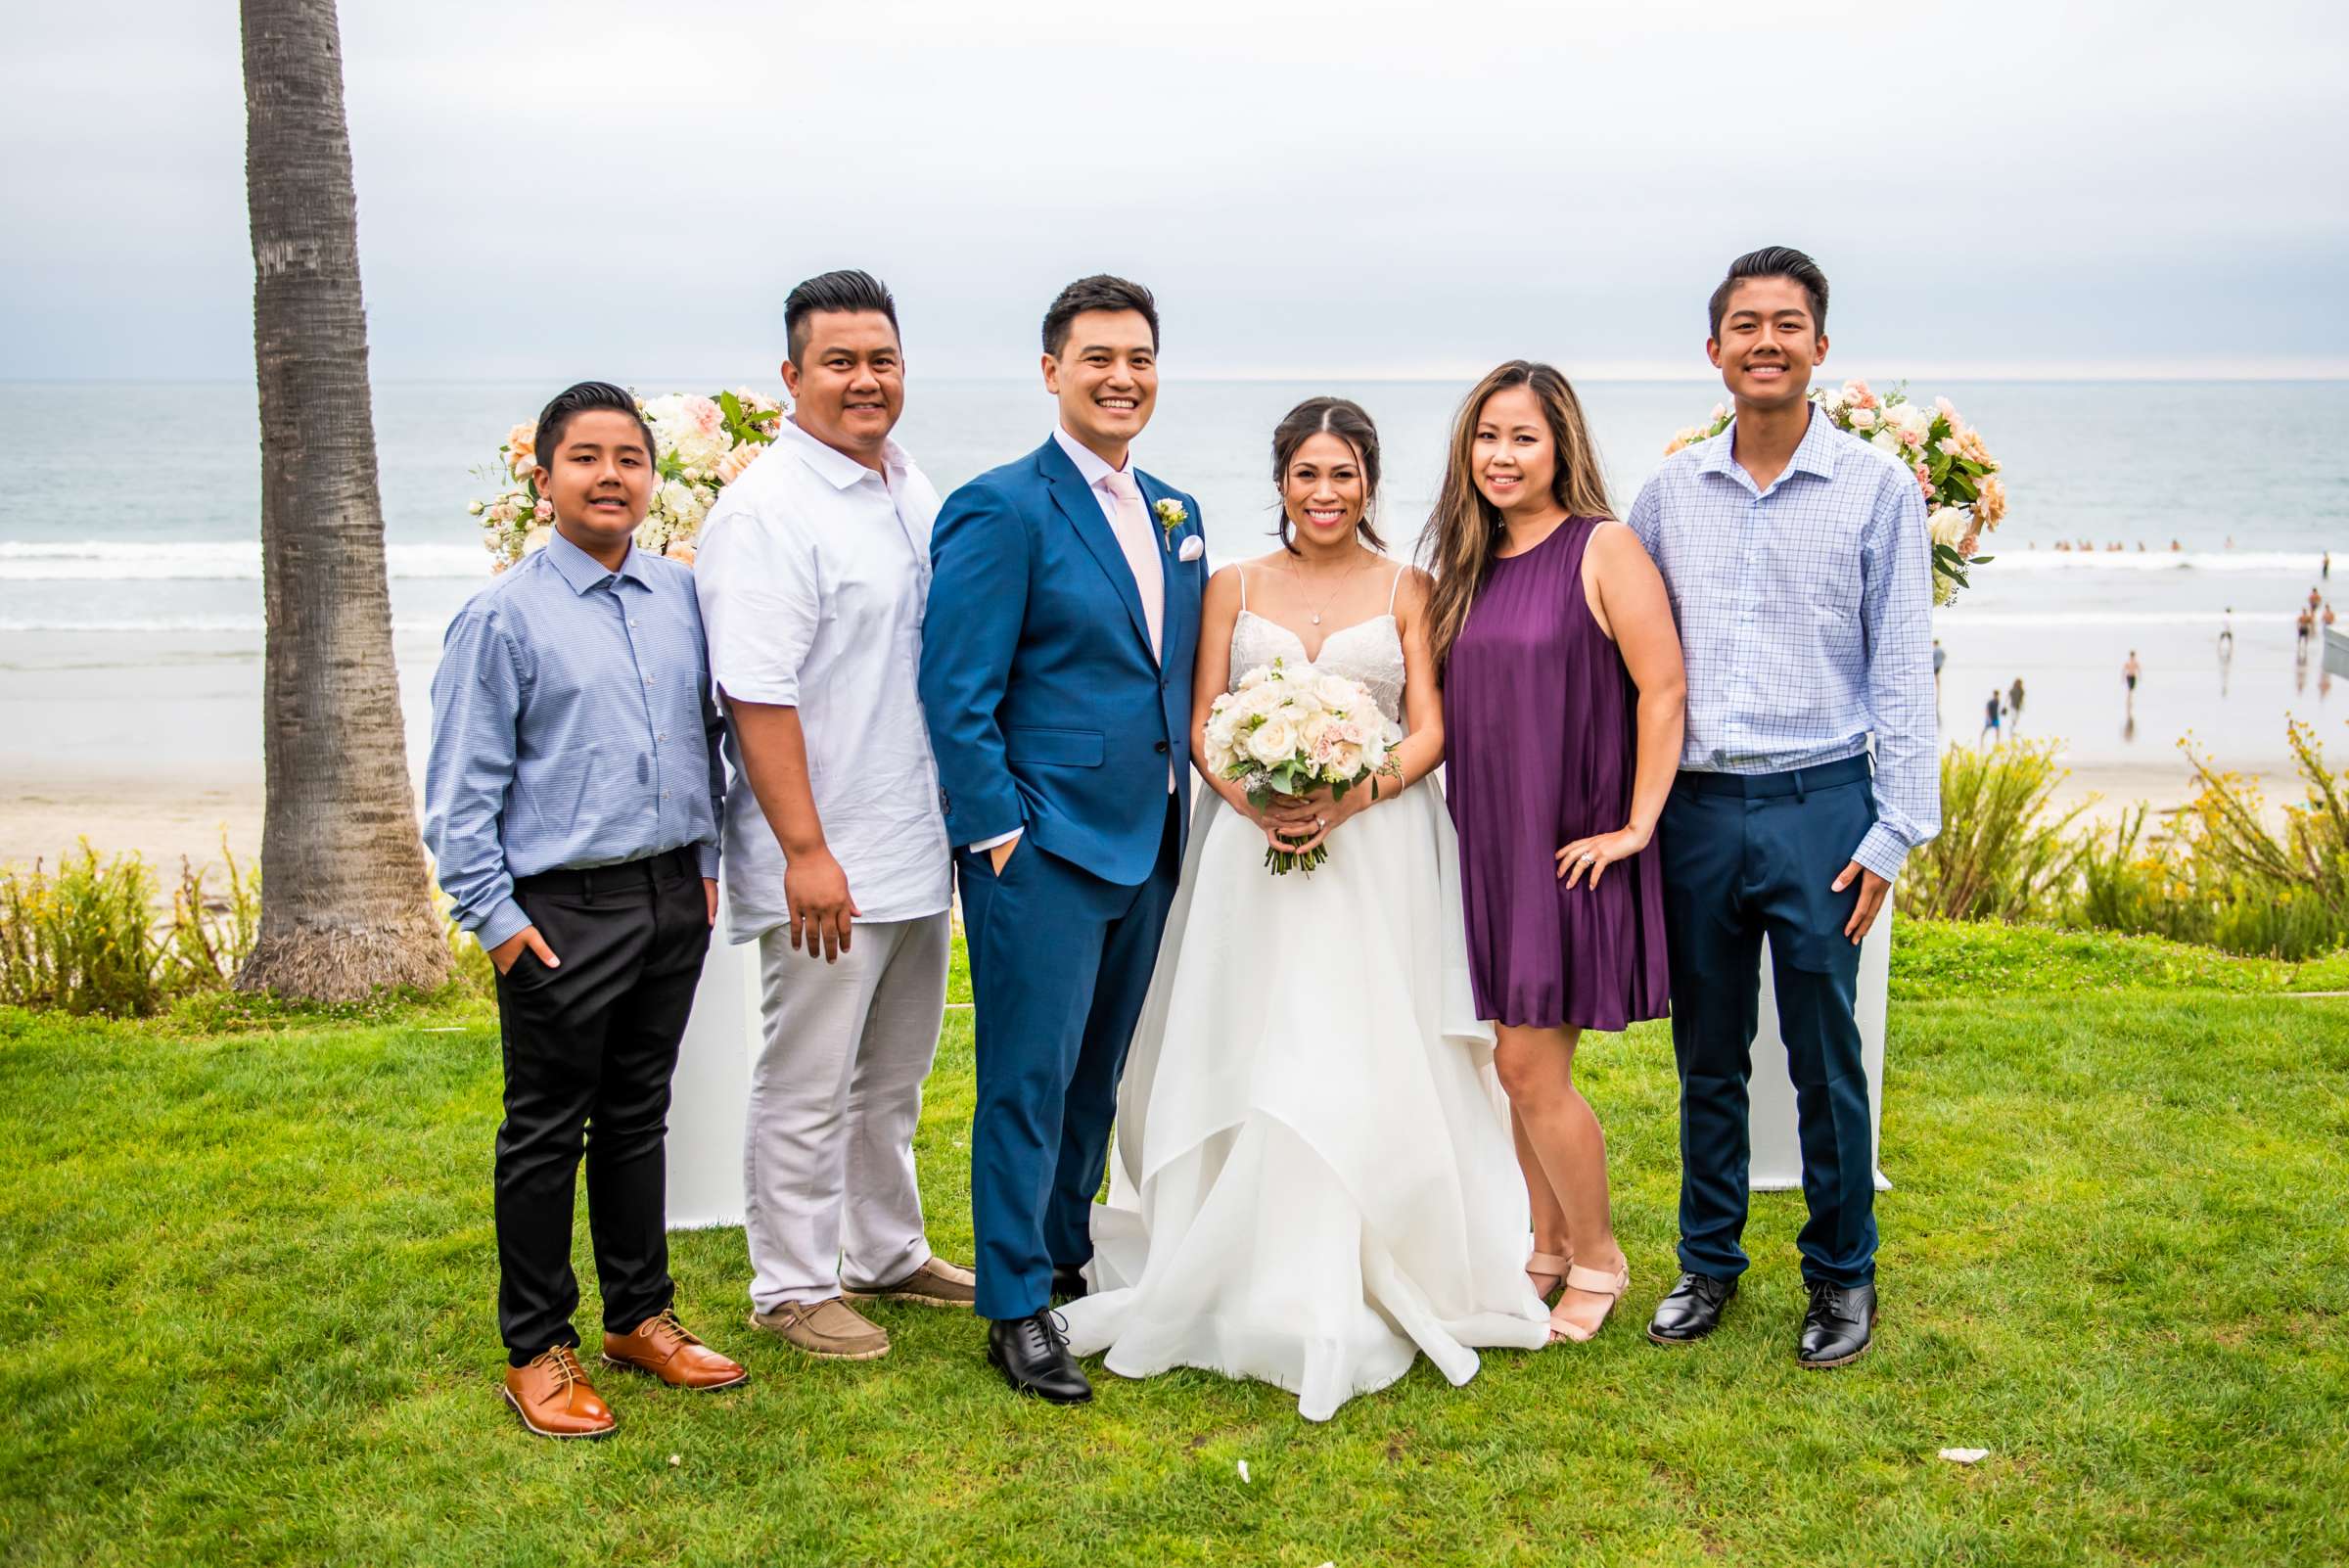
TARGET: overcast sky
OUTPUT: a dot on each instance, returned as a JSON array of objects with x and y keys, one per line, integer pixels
[{"x": 1356, "y": 188}]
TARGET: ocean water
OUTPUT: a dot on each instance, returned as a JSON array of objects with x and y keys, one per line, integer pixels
[{"x": 129, "y": 521}]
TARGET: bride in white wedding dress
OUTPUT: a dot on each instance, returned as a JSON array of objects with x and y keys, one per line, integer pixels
[{"x": 1313, "y": 1179}]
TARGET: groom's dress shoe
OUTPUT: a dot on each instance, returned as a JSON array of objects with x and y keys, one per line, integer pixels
[
  {"x": 1691, "y": 1311},
  {"x": 671, "y": 1353},
  {"x": 1839, "y": 1325},
  {"x": 1068, "y": 1281},
  {"x": 1034, "y": 1357},
  {"x": 553, "y": 1398}
]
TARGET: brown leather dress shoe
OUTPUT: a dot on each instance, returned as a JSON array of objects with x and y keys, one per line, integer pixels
[
  {"x": 553, "y": 1398},
  {"x": 667, "y": 1349}
]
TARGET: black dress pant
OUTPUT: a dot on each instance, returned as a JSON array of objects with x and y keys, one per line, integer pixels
[{"x": 590, "y": 1048}]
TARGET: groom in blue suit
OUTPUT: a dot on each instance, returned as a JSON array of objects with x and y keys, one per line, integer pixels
[{"x": 1056, "y": 679}]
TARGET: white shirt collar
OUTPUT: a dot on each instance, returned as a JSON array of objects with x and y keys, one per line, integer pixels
[
  {"x": 1089, "y": 465},
  {"x": 834, "y": 466}
]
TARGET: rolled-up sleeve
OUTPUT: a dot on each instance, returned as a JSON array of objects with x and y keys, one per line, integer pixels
[
  {"x": 762, "y": 601},
  {"x": 476, "y": 706},
  {"x": 1897, "y": 619}
]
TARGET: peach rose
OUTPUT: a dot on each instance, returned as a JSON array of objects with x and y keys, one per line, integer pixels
[
  {"x": 522, "y": 449},
  {"x": 730, "y": 467}
]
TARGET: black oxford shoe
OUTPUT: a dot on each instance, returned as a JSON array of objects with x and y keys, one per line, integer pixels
[
  {"x": 1068, "y": 1283},
  {"x": 1691, "y": 1311},
  {"x": 1837, "y": 1329},
  {"x": 1034, "y": 1357}
]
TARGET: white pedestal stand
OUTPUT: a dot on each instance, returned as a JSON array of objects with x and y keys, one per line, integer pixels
[
  {"x": 1777, "y": 1152},
  {"x": 711, "y": 1086}
]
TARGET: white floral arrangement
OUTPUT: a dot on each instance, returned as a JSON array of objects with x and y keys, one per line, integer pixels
[
  {"x": 1963, "y": 493},
  {"x": 1283, "y": 733},
  {"x": 703, "y": 446}
]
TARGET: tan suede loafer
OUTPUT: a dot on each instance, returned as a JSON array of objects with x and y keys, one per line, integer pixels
[
  {"x": 935, "y": 1283},
  {"x": 554, "y": 1398},
  {"x": 831, "y": 1330},
  {"x": 667, "y": 1349}
]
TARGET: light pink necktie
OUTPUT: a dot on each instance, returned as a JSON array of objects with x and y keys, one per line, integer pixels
[{"x": 1134, "y": 536}]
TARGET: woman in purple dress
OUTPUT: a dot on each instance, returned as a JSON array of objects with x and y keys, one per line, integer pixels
[{"x": 1562, "y": 712}]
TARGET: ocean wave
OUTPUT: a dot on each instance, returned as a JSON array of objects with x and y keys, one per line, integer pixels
[
  {"x": 2010, "y": 558},
  {"x": 163, "y": 626},
  {"x": 202, "y": 560},
  {"x": 1960, "y": 618}
]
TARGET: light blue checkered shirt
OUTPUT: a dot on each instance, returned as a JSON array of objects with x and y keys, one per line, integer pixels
[
  {"x": 1805, "y": 615},
  {"x": 572, "y": 727}
]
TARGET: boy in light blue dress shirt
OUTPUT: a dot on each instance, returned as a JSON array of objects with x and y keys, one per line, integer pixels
[
  {"x": 573, "y": 800},
  {"x": 1798, "y": 569}
]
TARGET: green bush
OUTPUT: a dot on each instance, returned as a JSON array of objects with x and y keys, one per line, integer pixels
[
  {"x": 88, "y": 937},
  {"x": 1996, "y": 856}
]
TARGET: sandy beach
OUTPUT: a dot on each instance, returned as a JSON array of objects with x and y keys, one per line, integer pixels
[{"x": 164, "y": 756}]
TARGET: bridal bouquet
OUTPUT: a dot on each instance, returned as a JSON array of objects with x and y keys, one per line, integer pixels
[
  {"x": 1963, "y": 495},
  {"x": 703, "y": 446},
  {"x": 1289, "y": 734}
]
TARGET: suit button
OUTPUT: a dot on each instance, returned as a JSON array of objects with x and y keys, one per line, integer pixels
[{"x": 1160, "y": 748}]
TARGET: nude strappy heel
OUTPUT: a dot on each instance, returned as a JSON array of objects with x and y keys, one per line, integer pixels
[
  {"x": 1612, "y": 1286},
  {"x": 1548, "y": 1265}
]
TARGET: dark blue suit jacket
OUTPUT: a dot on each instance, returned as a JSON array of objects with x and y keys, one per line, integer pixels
[{"x": 1046, "y": 710}]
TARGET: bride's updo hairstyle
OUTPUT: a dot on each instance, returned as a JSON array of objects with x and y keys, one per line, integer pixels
[
  {"x": 1328, "y": 416},
  {"x": 1464, "y": 529}
]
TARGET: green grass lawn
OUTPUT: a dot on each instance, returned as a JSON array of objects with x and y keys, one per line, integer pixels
[{"x": 245, "y": 1314}]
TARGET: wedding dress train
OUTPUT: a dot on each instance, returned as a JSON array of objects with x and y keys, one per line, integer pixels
[{"x": 1313, "y": 1179}]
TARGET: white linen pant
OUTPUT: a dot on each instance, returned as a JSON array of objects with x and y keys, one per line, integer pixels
[{"x": 827, "y": 1147}]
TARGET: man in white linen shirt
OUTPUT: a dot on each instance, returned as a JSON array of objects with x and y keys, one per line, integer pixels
[{"x": 813, "y": 572}]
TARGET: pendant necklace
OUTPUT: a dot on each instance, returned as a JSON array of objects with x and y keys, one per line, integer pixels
[{"x": 1343, "y": 577}]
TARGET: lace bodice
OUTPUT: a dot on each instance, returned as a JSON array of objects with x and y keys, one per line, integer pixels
[{"x": 1369, "y": 651}]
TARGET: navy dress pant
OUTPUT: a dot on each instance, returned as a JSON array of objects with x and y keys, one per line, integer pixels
[
  {"x": 1744, "y": 856},
  {"x": 1060, "y": 963}
]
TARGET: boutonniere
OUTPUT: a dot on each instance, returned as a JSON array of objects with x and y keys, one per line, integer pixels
[{"x": 1170, "y": 516}]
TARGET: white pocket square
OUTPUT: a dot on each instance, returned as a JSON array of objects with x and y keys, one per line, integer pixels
[{"x": 1192, "y": 549}]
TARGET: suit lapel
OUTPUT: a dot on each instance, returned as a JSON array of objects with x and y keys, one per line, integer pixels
[{"x": 1075, "y": 501}]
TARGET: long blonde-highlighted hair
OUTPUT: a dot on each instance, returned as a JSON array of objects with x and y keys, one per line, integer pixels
[{"x": 1464, "y": 529}]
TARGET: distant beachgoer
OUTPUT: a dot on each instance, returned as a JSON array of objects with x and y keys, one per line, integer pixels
[
  {"x": 2014, "y": 701},
  {"x": 2324, "y": 569},
  {"x": 2175, "y": 546},
  {"x": 2302, "y": 626},
  {"x": 2314, "y": 599},
  {"x": 1990, "y": 718},
  {"x": 2226, "y": 635},
  {"x": 2129, "y": 674},
  {"x": 2327, "y": 618},
  {"x": 1941, "y": 655}
]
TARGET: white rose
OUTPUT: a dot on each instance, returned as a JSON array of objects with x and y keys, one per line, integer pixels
[
  {"x": 1255, "y": 678},
  {"x": 1337, "y": 693},
  {"x": 1948, "y": 526},
  {"x": 1887, "y": 440},
  {"x": 1345, "y": 761},
  {"x": 1273, "y": 742},
  {"x": 1315, "y": 730},
  {"x": 1300, "y": 699},
  {"x": 1863, "y": 419}
]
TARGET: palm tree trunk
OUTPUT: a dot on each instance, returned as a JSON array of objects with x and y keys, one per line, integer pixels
[{"x": 347, "y": 903}]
